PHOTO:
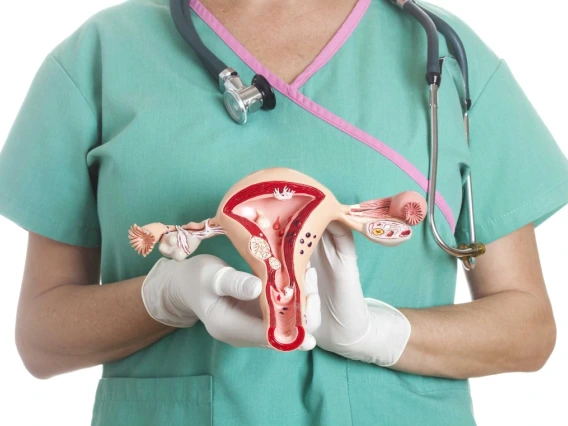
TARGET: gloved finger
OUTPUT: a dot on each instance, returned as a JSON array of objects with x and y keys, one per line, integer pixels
[
  {"x": 230, "y": 320},
  {"x": 240, "y": 285},
  {"x": 339, "y": 284},
  {"x": 249, "y": 332},
  {"x": 309, "y": 343},
  {"x": 343, "y": 239},
  {"x": 313, "y": 303},
  {"x": 311, "y": 281},
  {"x": 313, "y": 313}
]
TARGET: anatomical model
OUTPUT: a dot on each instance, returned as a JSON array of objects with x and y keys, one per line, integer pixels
[{"x": 275, "y": 218}]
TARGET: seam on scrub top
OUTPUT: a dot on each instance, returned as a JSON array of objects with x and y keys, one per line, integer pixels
[
  {"x": 161, "y": 401},
  {"x": 473, "y": 103},
  {"x": 348, "y": 390},
  {"x": 95, "y": 116},
  {"x": 36, "y": 212},
  {"x": 414, "y": 390},
  {"x": 531, "y": 201},
  {"x": 449, "y": 70},
  {"x": 319, "y": 111}
]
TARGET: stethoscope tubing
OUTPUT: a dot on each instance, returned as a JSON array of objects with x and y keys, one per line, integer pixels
[
  {"x": 432, "y": 25},
  {"x": 465, "y": 253},
  {"x": 456, "y": 48},
  {"x": 180, "y": 14}
]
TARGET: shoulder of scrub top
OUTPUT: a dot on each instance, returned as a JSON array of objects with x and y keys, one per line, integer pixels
[{"x": 111, "y": 33}]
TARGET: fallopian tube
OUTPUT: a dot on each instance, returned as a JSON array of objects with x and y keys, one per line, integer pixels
[{"x": 275, "y": 218}]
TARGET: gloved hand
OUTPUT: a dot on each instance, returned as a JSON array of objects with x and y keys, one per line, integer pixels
[
  {"x": 178, "y": 293},
  {"x": 352, "y": 326}
]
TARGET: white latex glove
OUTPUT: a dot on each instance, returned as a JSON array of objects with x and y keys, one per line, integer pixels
[
  {"x": 179, "y": 293},
  {"x": 352, "y": 326}
]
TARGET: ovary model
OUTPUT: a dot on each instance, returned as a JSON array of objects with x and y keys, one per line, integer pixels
[{"x": 275, "y": 218}]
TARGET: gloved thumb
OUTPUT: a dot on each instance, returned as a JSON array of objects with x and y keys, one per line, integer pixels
[
  {"x": 343, "y": 239},
  {"x": 240, "y": 285}
]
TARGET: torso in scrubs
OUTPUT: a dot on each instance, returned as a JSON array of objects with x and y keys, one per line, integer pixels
[{"x": 123, "y": 125}]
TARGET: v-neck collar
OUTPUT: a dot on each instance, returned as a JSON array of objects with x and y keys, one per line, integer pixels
[
  {"x": 292, "y": 92},
  {"x": 329, "y": 50}
]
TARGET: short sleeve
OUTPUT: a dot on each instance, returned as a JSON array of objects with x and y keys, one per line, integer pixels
[
  {"x": 519, "y": 173},
  {"x": 45, "y": 184}
]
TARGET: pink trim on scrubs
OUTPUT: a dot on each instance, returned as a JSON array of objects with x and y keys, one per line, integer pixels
[
  {"x": 291, "y": 91},
  {"x": 334, "y": 44}
]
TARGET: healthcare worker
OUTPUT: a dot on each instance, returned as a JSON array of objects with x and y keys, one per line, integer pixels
[{"x": 123, "y": 125}]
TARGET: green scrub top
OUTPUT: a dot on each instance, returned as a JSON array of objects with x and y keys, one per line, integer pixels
[{"x": 123, "y": 125}]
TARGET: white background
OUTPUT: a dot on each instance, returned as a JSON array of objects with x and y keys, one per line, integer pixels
[{"x": 531, "y": 42}]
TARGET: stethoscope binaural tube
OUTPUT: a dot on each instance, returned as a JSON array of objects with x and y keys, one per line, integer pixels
[
  {"x": 457, "y": 48},
  {"x": 466, "y": 253},
  {"x": 239, "y": 100}
]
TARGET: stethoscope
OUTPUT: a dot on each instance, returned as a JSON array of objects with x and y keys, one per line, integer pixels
[{"x": 241, "y": 100}]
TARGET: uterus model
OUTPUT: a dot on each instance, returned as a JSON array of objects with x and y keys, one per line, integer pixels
[{"x": 275, "y": 218}]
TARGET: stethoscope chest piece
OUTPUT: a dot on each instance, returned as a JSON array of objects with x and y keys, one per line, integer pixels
[{"x": 240, "y": 100}]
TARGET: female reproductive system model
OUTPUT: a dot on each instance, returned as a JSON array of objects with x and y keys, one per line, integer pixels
[{"x": 274, "y": 218}]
